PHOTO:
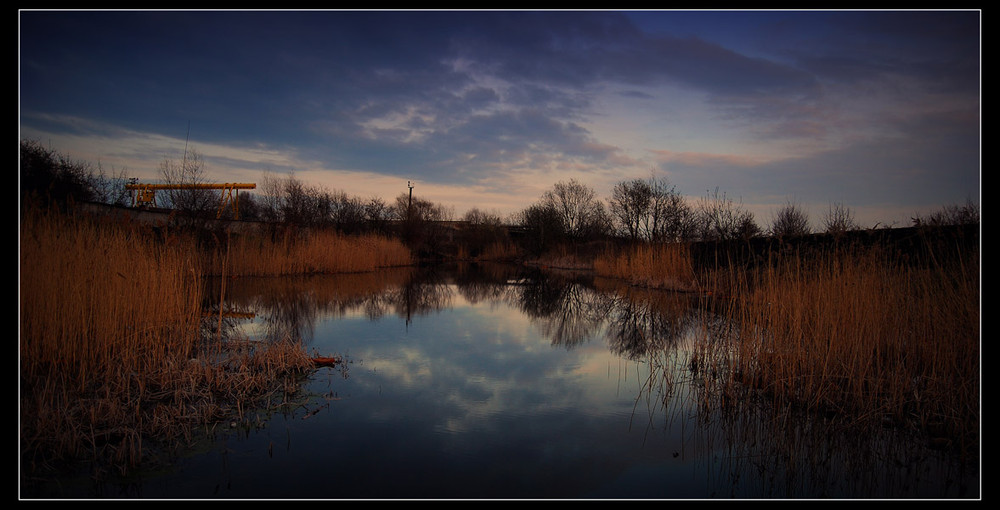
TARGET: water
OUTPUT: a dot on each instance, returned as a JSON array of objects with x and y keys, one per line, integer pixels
[{"x": 501, "y": 383}]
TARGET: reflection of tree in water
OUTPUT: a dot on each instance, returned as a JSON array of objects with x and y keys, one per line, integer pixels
[
  {"x": 289, "y": 307},
  {"x": 424, "y": 293},
  {"x": 488, "y": 282},
  {"x": 567, "y": 308},
  {"x": 571, "y": 310},
  {"x": 763, "y": 450},
  {"x": 574, "y": 319},
  {"x": 643, "y": 321}
]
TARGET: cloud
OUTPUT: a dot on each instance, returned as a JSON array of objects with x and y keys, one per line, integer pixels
[{"x": 516, "y": 100}]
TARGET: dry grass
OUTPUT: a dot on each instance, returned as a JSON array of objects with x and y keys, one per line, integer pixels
[
  {"x": 857, "y": 335},
  {"x": 660, "y": 266},
  {"x": 113, "y": 364},
  {"x": 306, "y": 253},
  {"x": 499, "y": 251}
]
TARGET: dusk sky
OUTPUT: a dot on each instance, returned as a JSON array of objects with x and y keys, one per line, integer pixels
[{"x": 877, "y": 110}]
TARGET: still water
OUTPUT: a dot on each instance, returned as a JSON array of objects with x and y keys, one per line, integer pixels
[{"x": 492, "y": 382}]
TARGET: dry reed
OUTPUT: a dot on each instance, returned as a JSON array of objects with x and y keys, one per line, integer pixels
[
  {"x": 661, "y": 266},
  {"x": 306, "y": 253},
  {"x": 857, "y": 335},
  {"x": 112, "y": 358}
]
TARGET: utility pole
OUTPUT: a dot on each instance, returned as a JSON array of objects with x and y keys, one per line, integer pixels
[{"x": 409, "y": 204}]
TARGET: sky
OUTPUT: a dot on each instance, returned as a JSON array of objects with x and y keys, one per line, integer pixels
[{"x": 877, "y": 110}]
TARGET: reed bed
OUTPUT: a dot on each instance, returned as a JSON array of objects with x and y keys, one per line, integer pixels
[
  {"x": 499, "y": 251},
  {"x": 99, "y": 302},
  {"x": 103, "y": 310},
  {"x": 306, "y": 253},
  {"x": 660, "y": 265},
  {"x": 114, "y": 367},
  {"x": 855, "y": 334}
]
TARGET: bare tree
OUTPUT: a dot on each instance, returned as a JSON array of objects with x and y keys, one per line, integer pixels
[
  {"x": 191, "y": 170},
  {"x": 582, "y": 214},
  {"x": 482, "y": 230},
  {"x": 721, "y": 219},
  {"x": 51, "y": 176},
  {"x": 377, "y": 214},
  {"x": 270, "y": 197},
  {"x": 671, "y": 218},
  {"x": 951, "y": 215},
  {"x": 790, "y": 221},
  {"x": 839, "y": 219},
  {"x": 109, "y": 188},
  {"x": 630, "y": 205},
  {"x": 543, "y": 225}
]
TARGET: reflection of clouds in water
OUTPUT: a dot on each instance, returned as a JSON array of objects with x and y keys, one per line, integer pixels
[
  {"x": 476, "y": 367},
  {"x": 472, "y": 387}
]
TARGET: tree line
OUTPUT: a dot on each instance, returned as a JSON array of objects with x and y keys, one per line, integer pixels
[{"x": 650, "y": 209}]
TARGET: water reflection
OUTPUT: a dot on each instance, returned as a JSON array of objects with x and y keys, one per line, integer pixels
[{"x": 507, "y": 382}]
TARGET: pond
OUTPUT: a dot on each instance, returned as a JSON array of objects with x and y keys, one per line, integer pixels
[{"x": 498, "y": 382}]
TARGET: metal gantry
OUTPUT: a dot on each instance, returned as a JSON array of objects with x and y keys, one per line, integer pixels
[{"x": 145, "y": 194}]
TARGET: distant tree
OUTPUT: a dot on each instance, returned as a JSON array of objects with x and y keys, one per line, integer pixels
[
  {"x": 419, "y": 209},
  {"x": 297, "y": 205},
  {"x": 718, "y": 218},
  {"x": 671, "y": 218},
  {"x": 377, "y": 215},
  {"x": 544, "y": 227},
  {"x": 950, "y": 215},
  {"x": 347, "y": 212},
  {"x": 630, "y": 204},
  {"x": 790, "y": 221},
  {"x": 417, "y": 216},
  {"x": 839, "y": 219},
  {"x": 747, "y": 227},
  {"x": 250, "y": 208},
  {"x": 53, "y": 177},
  {"x": 482, "y": 230},
  {"x": 270, "y": 197},
  {"x": 578, "y": 208},
  {"x": 190, "y": 170}
]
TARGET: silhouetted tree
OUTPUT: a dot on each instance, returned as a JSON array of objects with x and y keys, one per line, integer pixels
[
  {"x": 543, "y": 226},
  {"x": 51, "y": 176},
  {"x": 482, "y": 230},
  {"x": 631, "y": 203},
  {"x": 790, "y": 221},
  {"x": 191, "y": 170},
  {"x": 721, "y": 219},
  {"x": 417, "y": 216},
  {"x": 581, "y": 213},
  {"x": 950, "y": 215},
  {"x": 839, "y": 219}
]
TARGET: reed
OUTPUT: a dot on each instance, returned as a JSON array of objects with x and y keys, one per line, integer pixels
[
  {"x": 658, "y": 265},
  {"x": 99, "y": 302},
  {"x": 310, "y": 252},
  {"x": 112, "y": 359},
  {"x": 499, "y": 251},
  {"x": 103, "y": 309},
  {"x": 858, "y": 334}
]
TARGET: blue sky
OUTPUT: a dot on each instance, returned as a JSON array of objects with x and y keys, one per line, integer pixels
[{"x": 878, "y": 110}]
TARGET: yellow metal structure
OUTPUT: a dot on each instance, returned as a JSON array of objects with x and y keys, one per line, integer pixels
[{"x": 145, "y": 194}]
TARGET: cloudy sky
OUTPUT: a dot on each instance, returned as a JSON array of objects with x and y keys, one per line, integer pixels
[{"x": 877, "y": 110}]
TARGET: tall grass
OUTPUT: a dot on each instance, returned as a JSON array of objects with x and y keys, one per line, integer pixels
[
  {"x": 112, "y": 353},
  {"x": 102, "y": 311},
  {"x": 659, "y": 265},
  {"x": 318, "y": 251},
  {"x": 858, "y": 334},
  {"x": 97, "y": 303}
]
